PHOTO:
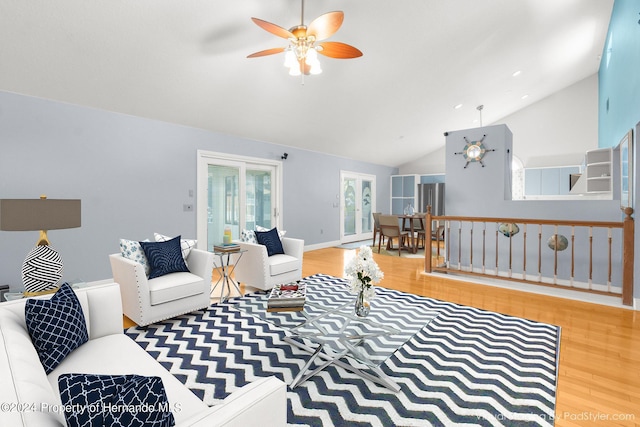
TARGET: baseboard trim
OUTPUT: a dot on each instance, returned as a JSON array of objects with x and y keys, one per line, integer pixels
[{"x": 322, "y": 245}]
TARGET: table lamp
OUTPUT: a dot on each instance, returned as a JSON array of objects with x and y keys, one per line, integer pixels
[{"x": 42, "y": 268}]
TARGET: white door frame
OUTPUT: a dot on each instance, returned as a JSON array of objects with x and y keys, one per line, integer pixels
[
  {"x": 206, "y": 158},
  {"x": 359, "y": 177}
]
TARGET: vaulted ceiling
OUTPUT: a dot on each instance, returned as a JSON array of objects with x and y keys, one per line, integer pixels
[{"x": 184, "y": 61}]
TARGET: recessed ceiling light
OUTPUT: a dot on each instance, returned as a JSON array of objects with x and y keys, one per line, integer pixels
[
  {"x": 457, "y": 107},
  {"x": 524, "y": 96},
  {"x": 517, "y": 73}
]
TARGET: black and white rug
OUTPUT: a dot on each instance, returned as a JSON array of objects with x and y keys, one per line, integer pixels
[{"x": 467, "y": 366}]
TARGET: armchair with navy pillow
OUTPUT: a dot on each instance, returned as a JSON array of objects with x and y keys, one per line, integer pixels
[
  {"x": 269, "y": 259},
  {"x": 162, "y": 279}
]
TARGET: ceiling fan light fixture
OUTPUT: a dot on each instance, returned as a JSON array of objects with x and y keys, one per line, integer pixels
[
  {"x": 301, "y": 56},
  {"x": 290, "y": 59},
  {"x": 295, "y": 70},
  {"x": 312, "y": 61},
  {"x": 315, "y": 70}
]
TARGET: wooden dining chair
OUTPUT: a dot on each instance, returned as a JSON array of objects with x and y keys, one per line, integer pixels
[
  {"x": 416, "y": 224},
  {"x": 390, "y": 228},
  {"x": 376, "y": 227}
]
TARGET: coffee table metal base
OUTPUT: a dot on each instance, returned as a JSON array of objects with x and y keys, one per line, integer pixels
[
  {"x": 305, "y": 373},
  {"x": 349, "y": 342}
]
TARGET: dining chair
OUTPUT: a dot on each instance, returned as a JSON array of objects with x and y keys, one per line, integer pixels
[
  {"x": 390, "y": 228},
  {"x": 418, "y": 229},
  {"x": 376, "y": 227}
]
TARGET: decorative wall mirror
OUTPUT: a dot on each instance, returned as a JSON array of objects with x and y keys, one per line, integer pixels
[{"x": 626, "y": 170}]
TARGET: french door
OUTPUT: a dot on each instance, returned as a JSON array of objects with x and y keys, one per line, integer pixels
[
  {"x": 235, "y": 192},
  {"x": 357, "y": 204}
]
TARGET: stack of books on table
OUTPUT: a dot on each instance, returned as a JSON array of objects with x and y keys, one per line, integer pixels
[
  {"x": 226, "y": 247},
  {"x": 287, "y": 297}
]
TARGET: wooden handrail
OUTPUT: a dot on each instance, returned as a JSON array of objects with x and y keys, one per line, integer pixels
[
  {"x": 627, "y": 226},
  {"x": 604, "y": 224}
]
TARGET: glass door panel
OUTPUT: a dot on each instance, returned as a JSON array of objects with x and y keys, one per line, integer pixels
[
  {"x": 349, "y": 206},
  {"x": 223, "y": 202},
  {"x": 357, "y": 206},
  {"x": 259, "y": 205},
  {"x": 367, "y": 217}
]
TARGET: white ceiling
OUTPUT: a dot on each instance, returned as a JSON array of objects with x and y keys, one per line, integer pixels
[{"x": 184, "y": 61}]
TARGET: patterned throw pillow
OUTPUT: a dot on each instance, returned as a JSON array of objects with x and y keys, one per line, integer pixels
[
  {"x": 164, "y": 257},
  {"x": 56, "y": 326},
  {"x": 132, "y": 250},
  {"x": 271, "y": 240},
  {"x": 185, "y": 244},
  {"x": 114, "y": 400},
  {"x": 248, "y": 236}
]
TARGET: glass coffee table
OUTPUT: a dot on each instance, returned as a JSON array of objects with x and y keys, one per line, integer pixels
[{"x": 329, "y": 330}]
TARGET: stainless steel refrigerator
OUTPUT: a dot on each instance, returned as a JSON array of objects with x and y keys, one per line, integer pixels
[{"x": 431, "y": 194}]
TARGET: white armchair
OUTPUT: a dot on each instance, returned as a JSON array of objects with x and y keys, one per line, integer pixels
[
  {"x": 147, "y": 301},
  {"x": 261, "y": 271}
]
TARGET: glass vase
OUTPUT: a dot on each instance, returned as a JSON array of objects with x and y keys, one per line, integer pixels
[{"x": 363, "y": 305}]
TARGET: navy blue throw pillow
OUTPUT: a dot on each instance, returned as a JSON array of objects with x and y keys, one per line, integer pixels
[
  {"x": 114, "y": 400},
  {"x": 56, "y": 326},
  {"x": 164, "y": 257},
  {"x": 271, "y": 240}
]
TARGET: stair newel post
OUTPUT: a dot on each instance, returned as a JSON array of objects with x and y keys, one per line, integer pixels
[
  {"x": 427, "y": 237},
  {"x": 627, "y": 257}
]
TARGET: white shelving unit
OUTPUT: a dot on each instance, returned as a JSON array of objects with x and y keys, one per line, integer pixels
[
  {"x": 598, "y": 171},
  {"x": 403, "y": 192}
]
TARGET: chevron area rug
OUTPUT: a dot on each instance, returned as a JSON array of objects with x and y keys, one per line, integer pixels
[{"x": 466, "y": 366}]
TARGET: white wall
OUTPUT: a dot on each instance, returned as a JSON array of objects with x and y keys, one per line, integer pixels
[{"x": 555, "y": 131}]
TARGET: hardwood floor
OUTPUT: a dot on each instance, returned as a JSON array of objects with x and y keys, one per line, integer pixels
[{"x": 599, "y": 371}]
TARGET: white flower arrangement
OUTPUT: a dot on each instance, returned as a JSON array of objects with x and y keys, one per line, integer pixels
[{"x": 362, "y": 272}]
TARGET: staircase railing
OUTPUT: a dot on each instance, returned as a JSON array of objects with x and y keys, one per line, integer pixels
[{"x": 596, "y": 257}]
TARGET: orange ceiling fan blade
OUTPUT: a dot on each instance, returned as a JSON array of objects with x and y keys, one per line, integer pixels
[
  {"x": 267, "y": 52},
  {"x": 273, "y": 28},
  {"x": 338, "y": 50},
  {"x": 325, "y": 25}
]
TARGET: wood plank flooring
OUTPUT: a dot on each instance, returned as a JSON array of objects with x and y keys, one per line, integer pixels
[{"x": 599, "y": 371}]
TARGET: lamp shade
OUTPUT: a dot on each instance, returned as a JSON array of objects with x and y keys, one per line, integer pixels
[{"x": 39, "y": 214}]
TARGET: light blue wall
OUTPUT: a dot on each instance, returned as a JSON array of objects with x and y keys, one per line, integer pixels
[
  {"x": 619, "y": 75},
  {"x": 133, "y": 176}
]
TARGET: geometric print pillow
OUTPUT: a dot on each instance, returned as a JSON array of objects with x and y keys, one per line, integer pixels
[
  {"x": 56, "y": 326},
  {"x": 164, "y": 257},
  {"x": 114, "y": 400},
  {"x": 132, "y": 250},
  {"x": 185, "y": 244}
]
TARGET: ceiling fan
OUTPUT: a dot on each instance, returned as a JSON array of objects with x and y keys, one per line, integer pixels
[{"x": 301, "y": 56}]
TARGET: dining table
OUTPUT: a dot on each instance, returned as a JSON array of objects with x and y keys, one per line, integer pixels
[{"x": 413, "y": 239}]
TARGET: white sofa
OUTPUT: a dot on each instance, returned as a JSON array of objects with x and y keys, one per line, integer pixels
[
  {"x": 29, "y": 397},
  {"x": 256, "y": 268},
  {"x": 149, "y": 301}
]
